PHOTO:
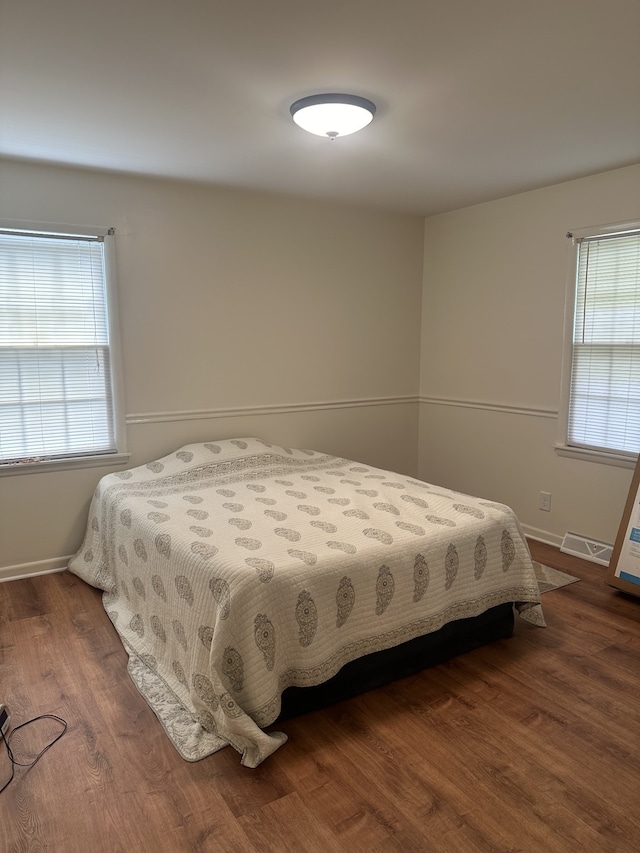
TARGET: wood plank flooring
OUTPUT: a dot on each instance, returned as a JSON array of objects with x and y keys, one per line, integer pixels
[{"x": 531, "y": 744}]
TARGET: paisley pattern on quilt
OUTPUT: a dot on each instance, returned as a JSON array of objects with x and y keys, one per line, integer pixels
[{"x": 234, "y": 569}]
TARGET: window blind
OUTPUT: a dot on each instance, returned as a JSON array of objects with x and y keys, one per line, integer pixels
[
  {"x": 55, "y": 379},
  {"x": 604, "y": 401}
]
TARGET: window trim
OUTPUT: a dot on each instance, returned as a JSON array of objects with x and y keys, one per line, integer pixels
[
  {"x": 103, "y": 460},
  {"x": 121, "y": 455},
  {"x": 562, "y": 447}
]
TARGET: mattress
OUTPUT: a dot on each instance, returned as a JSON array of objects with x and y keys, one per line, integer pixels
[{"x": 235, "y": 569}]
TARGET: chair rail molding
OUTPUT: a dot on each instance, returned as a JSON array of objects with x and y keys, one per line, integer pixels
[
  {"x": 279, "y": 409},
  {"x": 505, "y": 408}
]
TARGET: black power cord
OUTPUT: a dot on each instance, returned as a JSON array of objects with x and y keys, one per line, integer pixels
[{"x": 7, "y": 741}]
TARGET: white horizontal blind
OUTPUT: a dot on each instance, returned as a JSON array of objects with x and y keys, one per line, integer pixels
[
  {"x": 55, "y": 379},
  {"x": 604, "y": 402}
]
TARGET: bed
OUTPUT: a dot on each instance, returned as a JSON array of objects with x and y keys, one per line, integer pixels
[{"x": 249, "y": 582}]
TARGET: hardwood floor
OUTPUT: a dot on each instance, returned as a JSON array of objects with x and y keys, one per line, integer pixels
[{"x": 531, "y": 744}]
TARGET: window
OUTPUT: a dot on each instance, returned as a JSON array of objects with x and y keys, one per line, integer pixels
[
  {"x": 603, "y": 367},
  {"x": 57, "y": 365}
]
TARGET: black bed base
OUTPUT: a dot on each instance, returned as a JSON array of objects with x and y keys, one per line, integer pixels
[{"x": 379, "y": 668}]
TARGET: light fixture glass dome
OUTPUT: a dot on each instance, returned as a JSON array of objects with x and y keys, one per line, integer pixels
[{"x": 333, "y": 115}]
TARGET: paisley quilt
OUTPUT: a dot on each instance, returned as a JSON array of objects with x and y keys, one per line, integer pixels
[{"x": 234, "y": 569}]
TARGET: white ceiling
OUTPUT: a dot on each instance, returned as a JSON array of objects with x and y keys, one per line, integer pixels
[{"x": 477, "y": 99}]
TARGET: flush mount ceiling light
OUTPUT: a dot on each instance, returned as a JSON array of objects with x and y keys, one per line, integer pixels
[{"x": 332, "y": 115}]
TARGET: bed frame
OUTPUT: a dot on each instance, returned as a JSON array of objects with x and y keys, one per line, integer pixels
[{"x": 380, "y": 668}]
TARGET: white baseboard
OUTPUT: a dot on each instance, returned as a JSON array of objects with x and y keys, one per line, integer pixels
[
  {"x": 542, "y": 535},
  {"x": 32, "y": 570}
]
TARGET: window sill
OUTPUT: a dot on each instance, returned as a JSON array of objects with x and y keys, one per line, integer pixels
[
  {"x": 102, "y": 461},
  {"x": 618, "y": 460}
]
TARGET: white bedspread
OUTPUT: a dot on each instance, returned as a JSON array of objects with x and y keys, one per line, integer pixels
[{"x": 234, "y": 569}]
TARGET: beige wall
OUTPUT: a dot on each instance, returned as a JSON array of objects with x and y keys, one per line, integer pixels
[
  {"x": 492, "y": 337},
  {"x": 299, "y": 310},
  {"x": 233, "y": 300}
]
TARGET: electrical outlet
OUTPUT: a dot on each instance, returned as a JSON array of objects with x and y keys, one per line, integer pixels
[
  {"x": 5, "y": 719},
  {"x": 545, "y": 501}
]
